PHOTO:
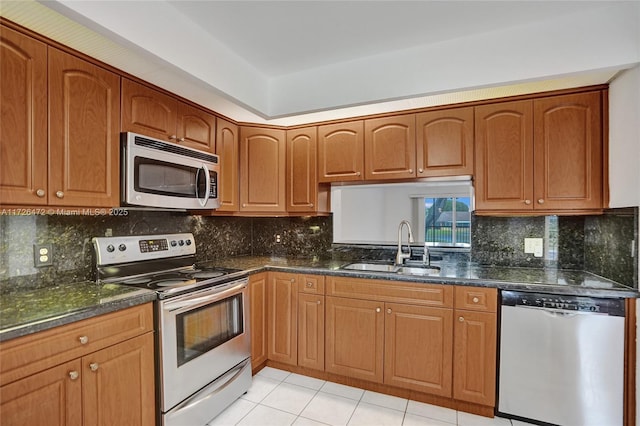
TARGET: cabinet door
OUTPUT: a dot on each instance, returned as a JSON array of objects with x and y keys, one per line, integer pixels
[
  {"x": 418, "y": 348},
  {"x": 196, "y": 128},
  {"x": 227, "y": 148},
  {"x": 84, "y": 141},
  {"x": 311, "y": 331},
  {"x": 50, "y": 398},
  {"x": 302, "y": 175},
  {"x": 474, "y": 354},
  {"x": 282, "y": 315},
  {"x": 148, "y": 112},
  {"x": 120, "y": 374},
  {"x": 444, "y": 143},
  {"x": 23, "y": 119},
  {"x": 341, "y": 152},
  {"x": 262, "y": 169},
  {"x": 568, "y": 152},
  {"x": 504, "y": 156},
  {"x": 354, "y": 338},
  {"x": 390, "y": 147},
  {"x": 259, "y": 330}
]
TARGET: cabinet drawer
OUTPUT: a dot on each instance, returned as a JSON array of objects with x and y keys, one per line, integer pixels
[
  {"x": 313, "y": 284},
  {"x": 476, "y": 298},
  {"x": 27, "y": 355},
  {"x": 391, "y": 291}
]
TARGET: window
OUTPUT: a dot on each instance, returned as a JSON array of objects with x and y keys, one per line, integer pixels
[{"x": 448, "y": 221}]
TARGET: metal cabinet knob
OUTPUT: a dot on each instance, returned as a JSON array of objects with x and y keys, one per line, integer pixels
[
  {"x": 310, "y": 204},
  {"x": 527, "y": 202},
  {"x": 181, "y": 139},
  {"x": 420, "y": 170},
  {"x": 378, "y": 309},
  {"x": 73, "y": 375},
  {"x": 357, "y": 173},
  {"x": 318, "y": 302},
  {"x": 83, "y": 340},
  {"x": 59, "y": 194},
  {"x": 475, "y": 300},
  {"x": 173, "y": 137},
  {"x": 309, "y": 284},
  {"x": 410, "y": 171},
  {"x": 389, "y": 310},
  {"x": 540, "y": 201},
  {"x": 40, "y": 193},
  {"x": 461, "y": 319},
  {"x": 244, "y": 205},
  {"x": 293, "y": 280},
  {"x": 94, "y": 366}
]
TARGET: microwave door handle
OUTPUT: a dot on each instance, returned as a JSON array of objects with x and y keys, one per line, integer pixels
[{"x": 207, "y": 188}]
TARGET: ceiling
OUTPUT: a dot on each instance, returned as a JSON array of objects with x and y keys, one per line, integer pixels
[{"x": 290, "y": 62}]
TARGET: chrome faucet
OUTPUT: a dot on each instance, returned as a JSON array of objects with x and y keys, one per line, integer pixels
[{"x": 400, "y": 256}]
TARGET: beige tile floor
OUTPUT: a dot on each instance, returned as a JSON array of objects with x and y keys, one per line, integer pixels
[{"x": 280, "y": 398}]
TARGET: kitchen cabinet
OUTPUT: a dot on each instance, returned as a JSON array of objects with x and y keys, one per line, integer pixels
[
  {"x": 152, "y": 113},
  {"x": 542, "y": 155},
  {"x": 302, "y": 176},
  {"x": 282, "y": 317},
  {"x": 390, "y": 147},
  {"x": 227, "y": 148},
  {"x": 80, "y": 373},
  {"x": 262, "y": 170},
  {"x": 84, "y": 142},
  {"x": 311, "y": 322},
  {"x": 259, "y": 318},
  {"x": 23, "y": 113},
  {"x": 475, "y": 343},
  {"x": 341, "y": 152},
  {"x": 444, "y": 142}
]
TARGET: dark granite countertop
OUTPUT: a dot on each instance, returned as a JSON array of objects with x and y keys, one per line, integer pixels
[
  {"x": 26, "y": 311},
  {"x": 550, "y": 280}
]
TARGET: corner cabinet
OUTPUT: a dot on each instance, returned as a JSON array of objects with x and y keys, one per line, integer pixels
[
  {"x": 262, "y": 170},
  {"x": 79, "y": 374},
  {"x": 540, "y": 156}
]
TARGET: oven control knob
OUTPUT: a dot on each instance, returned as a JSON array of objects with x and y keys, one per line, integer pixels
[
  {"x": 173, "y": 243},
  {"x": 110, "y": 248},
  {"x": 187, "y": 242},
  {"x": 180, "y": 243},
  {"x": 122, "y": 247}
]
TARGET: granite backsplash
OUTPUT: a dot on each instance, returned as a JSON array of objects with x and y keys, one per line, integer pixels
[{"x": 598, "y": 244}]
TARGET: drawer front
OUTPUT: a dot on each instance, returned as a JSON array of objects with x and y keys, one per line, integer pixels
[
  {"x": 27, "y": 355},
  {"x": 313, "y": 284},
  {"x": 476, "y": 298},
  {"x": 391, "y": 291}
]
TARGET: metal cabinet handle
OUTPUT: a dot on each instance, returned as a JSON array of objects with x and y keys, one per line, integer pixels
[
  {"x": 40, "y": 193},
  {"x": 527, "y": 202},
  {"x": 461, "y": 319},
  {"x": 540, "y": 201},
  {"x": 83, "y": 340},
  {"x": 378, "y": 309},
  {"x": 389, "y": 310},
  {"x": 73, "y": 375},
  {"x": 476, "y": 300},
  {"x": 94, "y": 366},
  {"x": 59, "y": 194}
]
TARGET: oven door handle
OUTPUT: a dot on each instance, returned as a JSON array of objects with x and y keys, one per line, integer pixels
[
  {"x": 195, "y": 302},
  {"x": 207, "y": 186}
]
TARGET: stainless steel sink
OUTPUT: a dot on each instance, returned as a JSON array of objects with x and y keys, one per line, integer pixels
[
  {"x": 381, "y": 267},
  {"x": 375, "y": 267}
]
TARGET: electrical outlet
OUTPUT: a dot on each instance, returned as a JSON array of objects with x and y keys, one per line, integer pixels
[
  {"x": 534, "y": 246},
  {"x": 278, "y": 239},
  {"x": 42, "y": 255}
]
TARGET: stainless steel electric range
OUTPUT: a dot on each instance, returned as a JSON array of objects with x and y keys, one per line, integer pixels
[{"x": 202, "y": 324}]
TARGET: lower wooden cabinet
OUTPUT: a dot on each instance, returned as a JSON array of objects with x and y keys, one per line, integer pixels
[
  {"x": 112, "y": 385},
  {"x": 311, "y": 326},
  {"x": 258, "y": 308},
  {"x": 282, "y": 317}
]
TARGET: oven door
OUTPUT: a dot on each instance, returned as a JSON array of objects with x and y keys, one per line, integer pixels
[{"x": 202, "y": 335}]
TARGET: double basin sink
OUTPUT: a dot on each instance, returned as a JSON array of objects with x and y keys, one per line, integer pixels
[{"x": 413, "y": 269}]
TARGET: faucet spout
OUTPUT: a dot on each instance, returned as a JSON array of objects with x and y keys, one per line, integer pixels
[{"x": 400, "y": 256}]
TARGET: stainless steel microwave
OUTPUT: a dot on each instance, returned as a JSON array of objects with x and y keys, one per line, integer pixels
[{"x": 161, "y": 174}]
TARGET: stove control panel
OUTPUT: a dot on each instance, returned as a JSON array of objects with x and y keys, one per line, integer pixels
[{"x": 113, "y": 250}]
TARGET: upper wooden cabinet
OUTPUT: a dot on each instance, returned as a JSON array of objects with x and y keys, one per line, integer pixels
[
  {"x": 227, "y": 148},
  {"x": 390, "y": 147},
  {"x": 302, "y": 176},
  {"x": 262, "y": 169},
  {"x": 543, "y": 155},
  {"x": 444, "y": 142},
  {"x": 23, "y": 119},
  {"x": 84, "y": 141},
  {"x": 341, "y": 152},
  {"x": 153, "y": 113}
]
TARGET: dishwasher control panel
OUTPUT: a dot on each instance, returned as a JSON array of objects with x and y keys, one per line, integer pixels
[{"x": 563, "y": 302}]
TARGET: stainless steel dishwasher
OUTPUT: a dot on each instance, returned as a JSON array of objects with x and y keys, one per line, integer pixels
[{"x": 561, "y": 359}]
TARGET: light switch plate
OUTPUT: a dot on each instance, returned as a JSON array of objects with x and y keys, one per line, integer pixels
[{"x": 534, "y": 246}]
